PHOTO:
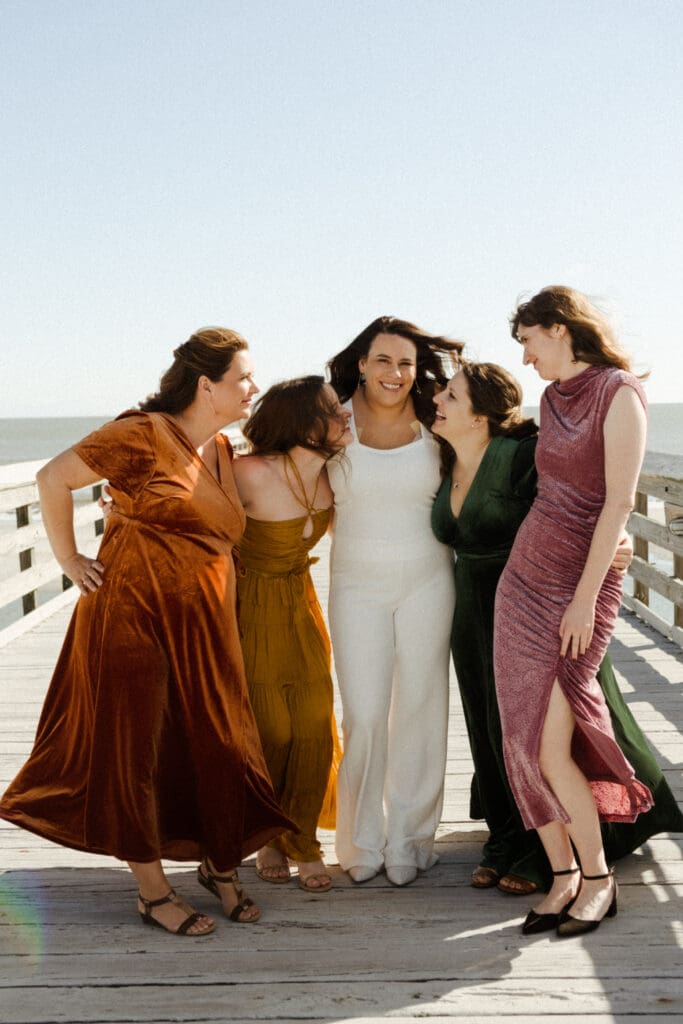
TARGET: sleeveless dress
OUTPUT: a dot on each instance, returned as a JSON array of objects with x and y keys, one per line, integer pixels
[
  {"x": 391, "y": 602},
  {"x": 482, "y": 535},
  {"x": 537, "y": 585},
  {"x": 147, "y": 746},
  {"x": 287, "y": 662}
]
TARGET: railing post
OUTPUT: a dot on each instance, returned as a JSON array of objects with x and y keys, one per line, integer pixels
[
  {"x": 99, "y": 523},
  {"x": 28, "y": 601},
  {"x": 675, "y": 512},
  {"x": 641, "y": 549}
]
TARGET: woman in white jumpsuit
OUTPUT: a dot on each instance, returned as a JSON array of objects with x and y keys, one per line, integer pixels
[{"x": 391, "y": 602}]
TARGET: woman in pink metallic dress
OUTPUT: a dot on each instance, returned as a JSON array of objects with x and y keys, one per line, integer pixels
[{"x": 557, "y": 603}]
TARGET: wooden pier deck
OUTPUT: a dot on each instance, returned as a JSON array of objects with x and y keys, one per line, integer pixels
[{"x": 72, "y": 948}]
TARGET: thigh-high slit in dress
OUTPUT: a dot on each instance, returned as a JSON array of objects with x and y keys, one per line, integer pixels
[{"x": 537, "y": 585}]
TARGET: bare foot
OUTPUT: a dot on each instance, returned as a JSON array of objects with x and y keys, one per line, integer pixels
[
  {"x": 236, "y": 904},
  {"x": 594, "y": 900},
  {"x": 272, "y": 866},
  {"x": 313, "y": 876},
  {"x": 172, "y": 914},
  {"x": 562, "y": 890}
]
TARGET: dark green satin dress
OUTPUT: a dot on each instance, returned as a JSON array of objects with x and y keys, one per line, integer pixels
[{"x": 498, "y": 500}]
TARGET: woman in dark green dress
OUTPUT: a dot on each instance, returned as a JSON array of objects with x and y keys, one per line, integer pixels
[{"x": 488, "y": 487}]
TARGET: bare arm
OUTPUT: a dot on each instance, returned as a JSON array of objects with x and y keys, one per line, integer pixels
[
  {"x": 624, "y": 431},
  {"x": 56, "y": 481}
]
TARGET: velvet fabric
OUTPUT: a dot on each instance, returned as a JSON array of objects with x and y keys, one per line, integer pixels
[
  {"x": 287, "y": 658},
  {"x": 147, "y": 746},
  {"x": 536, "y": 587},
  {"x": 482, "y": 535}
]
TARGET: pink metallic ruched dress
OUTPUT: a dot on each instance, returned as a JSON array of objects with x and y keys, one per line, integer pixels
[{"x": 536, "y": 586}]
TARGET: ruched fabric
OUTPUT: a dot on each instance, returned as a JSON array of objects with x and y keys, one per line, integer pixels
[
  {"x": 287, "y": 661},
  {"x": 536, "y": 587},
  {"x": 147, "y": 747},
  {"x": 482, "y": 535}
]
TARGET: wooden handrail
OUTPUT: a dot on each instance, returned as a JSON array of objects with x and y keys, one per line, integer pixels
[{"x": 661, "y": 479}]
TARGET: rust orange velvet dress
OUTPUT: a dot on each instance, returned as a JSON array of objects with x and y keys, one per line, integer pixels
[{"x": 147, "y": 746}]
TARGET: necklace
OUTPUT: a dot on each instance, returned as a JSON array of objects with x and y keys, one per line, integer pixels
[
  {"x": 302, "y": 497},
  {"x": 456, "y": 483}
]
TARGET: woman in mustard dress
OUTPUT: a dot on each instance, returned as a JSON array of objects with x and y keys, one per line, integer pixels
[{"x": 297, "y": 426}]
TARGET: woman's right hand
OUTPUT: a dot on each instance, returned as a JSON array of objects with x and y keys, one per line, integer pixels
[{"x": 85, "y": 573}]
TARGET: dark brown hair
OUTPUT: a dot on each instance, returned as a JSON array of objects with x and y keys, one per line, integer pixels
[
  {"x": 290, "y": 414},
  {"x": 207, "y": 353},
  {"x": 436, "y": 357},
  {"x": 592, "y": 338},
  {"x": 496, "y": 395}
]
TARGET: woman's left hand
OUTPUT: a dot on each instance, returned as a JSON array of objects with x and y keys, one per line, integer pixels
[{"x": 576, "y": 627}]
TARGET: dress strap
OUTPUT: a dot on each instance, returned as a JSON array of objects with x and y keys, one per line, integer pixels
[{"x": 300, "y": 492}]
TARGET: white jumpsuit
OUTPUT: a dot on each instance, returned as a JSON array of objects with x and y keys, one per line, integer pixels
[{"x": 392, "y": 596}]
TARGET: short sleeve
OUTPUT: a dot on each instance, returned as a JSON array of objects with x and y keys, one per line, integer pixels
[
  {"x": 122, "y": 451},
  {"x": 523, "y": 475}
]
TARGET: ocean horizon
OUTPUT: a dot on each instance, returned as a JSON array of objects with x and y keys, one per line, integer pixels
[{"x": 28, "y": 439}]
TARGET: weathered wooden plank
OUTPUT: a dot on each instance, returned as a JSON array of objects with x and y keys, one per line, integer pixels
[{"x": 317, "y": 1000}]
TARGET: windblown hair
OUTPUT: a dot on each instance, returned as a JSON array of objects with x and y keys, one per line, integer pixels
[
  {"x": 592, "y": 337},
  {"x": 497, "y": 395},
  {"x": 437, "y": 359},
  {"x": 207, "y": 353},
  {"x": 293, "y": 413}
]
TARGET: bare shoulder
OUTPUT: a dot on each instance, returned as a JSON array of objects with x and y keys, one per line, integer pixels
[
  {"x": 252, "y": 472},
  {"x": 626, "y": 405}
]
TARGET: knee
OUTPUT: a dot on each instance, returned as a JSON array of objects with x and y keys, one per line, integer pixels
[
  {"x": 362, "y": 727},
  {"x": 275, "y": 732}
]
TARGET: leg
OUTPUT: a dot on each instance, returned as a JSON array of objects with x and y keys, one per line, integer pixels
[
  {"x": 363, "y": 643},
  {"x": 418, "y": 722},
  {"x": 574, "y": 793},
  {"x": 275, "y": 732},
  {"x": 154, "y": 885}
]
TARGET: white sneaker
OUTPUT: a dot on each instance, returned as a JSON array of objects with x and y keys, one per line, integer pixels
[
  {"x": 362, "y": 873},
  {"x": 402, "y": 874}
]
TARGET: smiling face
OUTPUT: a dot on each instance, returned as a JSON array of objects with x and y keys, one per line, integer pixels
[
  {"x": 231, "y": 396},
  {"x": 390, "y": 368},
  {"x": 454, "y": 412},
  {"x": 548, "y": 350}
]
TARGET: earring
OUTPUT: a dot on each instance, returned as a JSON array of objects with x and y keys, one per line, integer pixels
[
  {"x": 416, "y": 388},
  {"x": 361, "y": 379}
]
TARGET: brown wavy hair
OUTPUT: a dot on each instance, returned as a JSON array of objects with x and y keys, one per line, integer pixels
[
  {"x": 207, "y": 353},
  {"x": 496, "y": 395},
  {"x": 437, "y": 358},
  {"x": 593, "y": 339},
  {"x": 292, "y": 413}
]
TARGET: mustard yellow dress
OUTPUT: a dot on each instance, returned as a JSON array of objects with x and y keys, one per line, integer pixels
[{"x": 287, "y": 658}]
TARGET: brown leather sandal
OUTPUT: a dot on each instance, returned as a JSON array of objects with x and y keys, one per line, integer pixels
[
  {"x": 210, "y": 881},
  {"x": 515, "y": 885},
  {"x": 183, "y": 928},
  {"x": 484, "y": 878}
]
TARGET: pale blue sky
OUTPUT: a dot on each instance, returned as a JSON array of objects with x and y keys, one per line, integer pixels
[{"x": 293, "y": 170}]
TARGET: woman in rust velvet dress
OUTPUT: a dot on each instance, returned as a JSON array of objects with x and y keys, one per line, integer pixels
[
  {"x": 557, "y": 603},
  {"x": 147, "y": 746}
]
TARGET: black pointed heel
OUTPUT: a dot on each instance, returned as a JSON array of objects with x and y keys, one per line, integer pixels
[
  {"x": 537, "y": 923},
  {"x": 569, "y": 925}
]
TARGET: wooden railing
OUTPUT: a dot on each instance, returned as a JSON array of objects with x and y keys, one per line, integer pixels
[
  {"x": 662, "y": 479},
  {"x": 28, "y": 565}
]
